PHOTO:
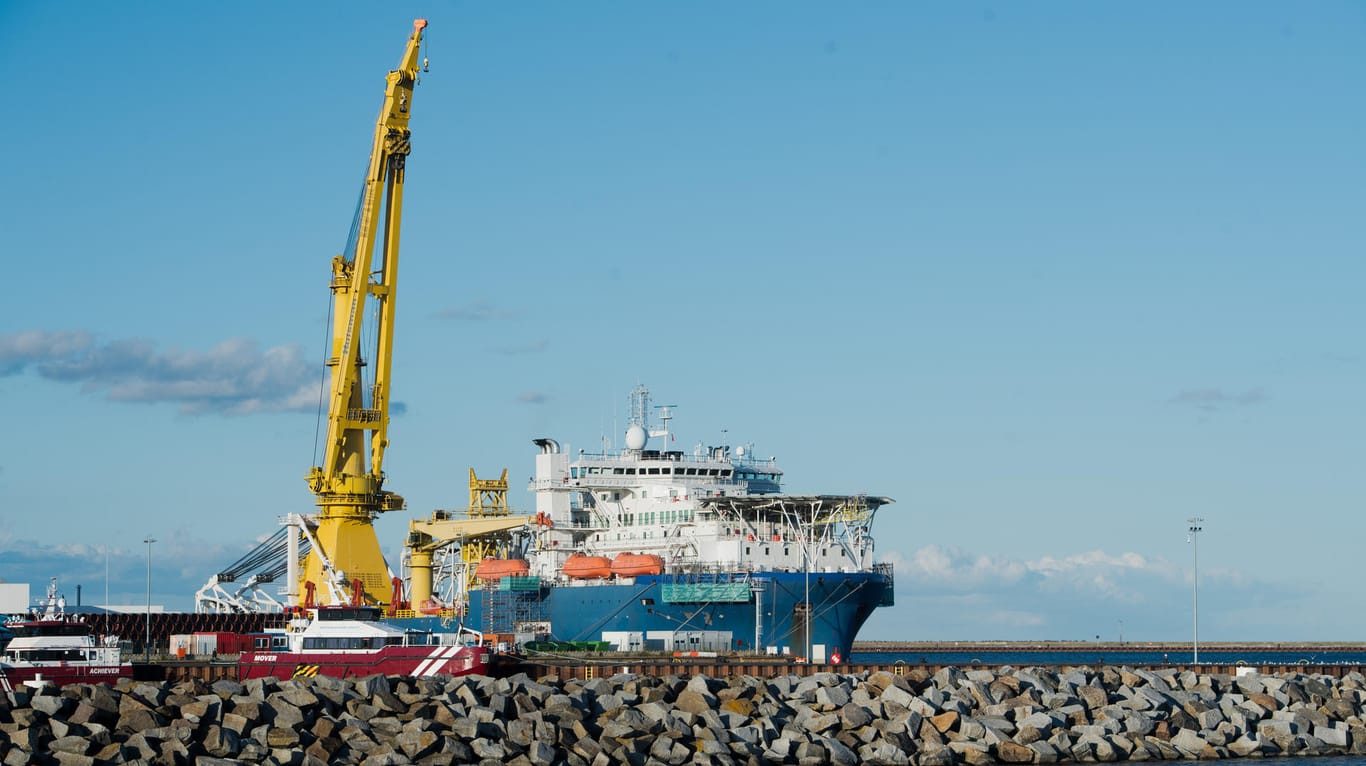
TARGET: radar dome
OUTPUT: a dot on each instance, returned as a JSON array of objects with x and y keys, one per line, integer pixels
[
  {"x": 636, "y": 437},
  {"x": 739, "y": 451}
]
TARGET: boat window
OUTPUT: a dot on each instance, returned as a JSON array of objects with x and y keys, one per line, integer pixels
[
  {"x": 48, "y": 655},
  {"x": 725, "y": 473},
  {"x": 60, "y": 629},
  {"x": 653, "y": 471},
  {"x": 365, "y": 613},
  {"x": 337, "y": 643},
  {"x": 618, "y": 471},
  {"x": 574, "y": 472},
  {"x": 666, "y": 471}
]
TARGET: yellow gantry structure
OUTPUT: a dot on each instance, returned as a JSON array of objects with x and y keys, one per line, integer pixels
[
  {"x": 349, "y": 484},
  {"x": 483, "y": 533}
]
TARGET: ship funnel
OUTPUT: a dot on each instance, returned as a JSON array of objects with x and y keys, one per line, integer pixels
[{"x": 548, "y": 446}]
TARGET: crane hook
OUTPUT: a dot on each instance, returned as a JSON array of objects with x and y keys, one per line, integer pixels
[{"x": 424, "y": 64}]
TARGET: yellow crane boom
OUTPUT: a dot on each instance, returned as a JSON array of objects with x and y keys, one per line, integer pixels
[{"x": 349, "y": 485}]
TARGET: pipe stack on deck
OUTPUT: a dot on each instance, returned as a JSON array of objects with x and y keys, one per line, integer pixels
[{"x": 950, "y": 717}]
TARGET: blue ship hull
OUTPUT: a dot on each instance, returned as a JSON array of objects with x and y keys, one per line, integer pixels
[{"x": 677, "y": 604}]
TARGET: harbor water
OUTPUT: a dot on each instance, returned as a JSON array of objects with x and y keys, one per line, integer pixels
[{"x": 1110, "y": 656}]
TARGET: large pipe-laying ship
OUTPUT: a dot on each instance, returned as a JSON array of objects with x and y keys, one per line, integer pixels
[{"x": 637, "y": 548}]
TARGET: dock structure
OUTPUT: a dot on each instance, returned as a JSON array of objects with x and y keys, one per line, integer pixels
[
  {"x": 602, "y": 665},
  {"x": 1172, "y": 647}
]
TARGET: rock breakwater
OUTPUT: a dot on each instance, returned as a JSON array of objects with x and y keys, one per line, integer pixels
[{"x": 954, "y": 716}]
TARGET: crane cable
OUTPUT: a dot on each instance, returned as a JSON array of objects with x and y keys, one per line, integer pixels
[{"x": 349, "y": 255}]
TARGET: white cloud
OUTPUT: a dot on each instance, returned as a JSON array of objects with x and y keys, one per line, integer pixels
[
  {"x": 475, "y": 311},
  {"x": 945, "y": 593},
  {"x": 232, "y": 378},
  {"x": 1214, "y": 399}
]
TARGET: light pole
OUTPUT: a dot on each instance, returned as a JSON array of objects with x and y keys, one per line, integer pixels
[
  {"x": 147, "y": 645},
  {"x": 1194, "y": 539}
]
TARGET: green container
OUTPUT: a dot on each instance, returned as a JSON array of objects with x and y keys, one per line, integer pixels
[
  {"x": 706, "y": 593},
  {"x": 520, "y": 584}
]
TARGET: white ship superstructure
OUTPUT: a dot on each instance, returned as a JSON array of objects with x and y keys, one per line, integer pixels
[{"x": 715, "y": 508}]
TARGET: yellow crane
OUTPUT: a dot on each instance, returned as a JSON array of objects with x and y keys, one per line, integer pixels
[{"x": 349, "y": 484}]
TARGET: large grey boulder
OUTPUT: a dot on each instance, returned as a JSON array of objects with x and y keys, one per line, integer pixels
[{"x": 1044, "y": 752}]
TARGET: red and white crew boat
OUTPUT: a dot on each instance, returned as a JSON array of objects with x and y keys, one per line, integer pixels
[
  {"x": 347, "y": 641},
  {"x": 59, "y": 648}
]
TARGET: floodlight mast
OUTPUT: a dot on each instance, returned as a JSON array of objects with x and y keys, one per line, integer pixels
[{"x": 1194, "y": 539}]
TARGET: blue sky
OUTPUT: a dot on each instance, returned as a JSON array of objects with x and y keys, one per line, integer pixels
[{"x": 1055, "y": 277}]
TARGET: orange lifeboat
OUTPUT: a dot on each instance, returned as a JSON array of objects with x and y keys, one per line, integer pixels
[
  {"x": 632, "y": 564},
  {"x": 582, "y": 567},
  {"x": 494, "y": 569}
]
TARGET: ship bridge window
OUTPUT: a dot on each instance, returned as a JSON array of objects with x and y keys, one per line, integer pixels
[
  {"x": 68, "y": 629},
  {"x": 594, "y": 471},
  {"x": 654, "y": 471},
  {"x": 51, "y": 655},
  {"x": 618, "y": 471},
  {"x": 363, "y": 613},
  {"x": 725, "y": 473},
  {"x": 334, "y": 643},
  {"x": 666, "y": 471}
]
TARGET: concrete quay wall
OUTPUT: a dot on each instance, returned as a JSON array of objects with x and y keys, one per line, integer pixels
[{"x": 1171, "y": 647}]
